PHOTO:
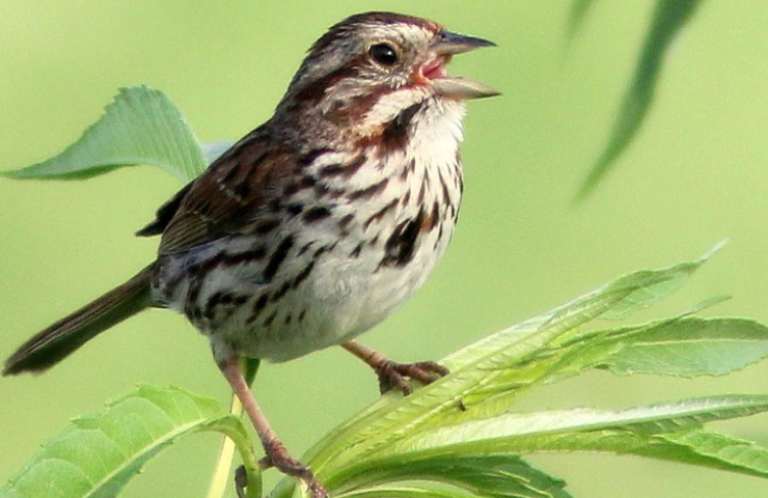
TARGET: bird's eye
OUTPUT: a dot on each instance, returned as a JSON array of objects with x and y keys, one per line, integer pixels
[{"x": 383, "y": 53}]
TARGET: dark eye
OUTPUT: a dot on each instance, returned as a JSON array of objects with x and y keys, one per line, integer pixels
[{"x": 383, "y": 54}]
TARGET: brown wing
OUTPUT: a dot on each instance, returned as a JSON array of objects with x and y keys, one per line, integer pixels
[{"x": 228, "y": 198}]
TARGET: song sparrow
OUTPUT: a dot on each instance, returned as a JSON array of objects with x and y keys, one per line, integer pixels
[{"x": 316, "y": 225}]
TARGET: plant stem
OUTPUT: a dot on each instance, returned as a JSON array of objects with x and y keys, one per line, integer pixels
[{"x": 223, "y": 471}]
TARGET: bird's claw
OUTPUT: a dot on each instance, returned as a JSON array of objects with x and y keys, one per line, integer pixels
[
  {"x": 393, "y": 375},
  {"x": 279, "y": 458}
]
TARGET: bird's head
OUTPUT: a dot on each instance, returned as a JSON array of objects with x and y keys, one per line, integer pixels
[{"x": 371, "y": 67}]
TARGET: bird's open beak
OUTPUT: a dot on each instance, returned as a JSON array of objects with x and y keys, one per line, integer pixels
[{"x": 448, "y": 45}]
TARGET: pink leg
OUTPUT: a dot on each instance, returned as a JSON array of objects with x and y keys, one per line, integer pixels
[
  {"x": 276, "y": 454},
  {"x": 393, "y": 374}
]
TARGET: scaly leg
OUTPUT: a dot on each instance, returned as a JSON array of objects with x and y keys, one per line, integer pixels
[
  {"x": 276, "y": 454},
  {"x": 391, "y": 374}
]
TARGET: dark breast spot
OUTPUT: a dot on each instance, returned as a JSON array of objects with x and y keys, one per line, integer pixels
[
  {"x": 295, "y": 208},
  {"x": 401, "y": 245},
  {"x": 346, "y": 220}
]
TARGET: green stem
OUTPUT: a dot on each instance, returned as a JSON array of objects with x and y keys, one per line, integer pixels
[{"x": 223, "y": 470}]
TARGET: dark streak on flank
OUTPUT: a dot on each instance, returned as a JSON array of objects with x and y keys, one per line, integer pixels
[
  {"x": 258, "y": 307},
  {"x": 277, "y": 258},
  {"x": 239, "y": 258},
  {"x": 305, "y": 248},
  {"x": 303, "y": 275},
  {"x": 222, "y": 299},
  {"x": 316, "y": 214},
  {"x": 356, "y": 251},
  {"x": 271, "y": 318},
  {"x": 210, "y": 305},
  {"x": 320, "y": 251},
  {"x": 222, "y": 259},
  {"x": 266, "y": 226},
  {"x": 281, "y": 293}
]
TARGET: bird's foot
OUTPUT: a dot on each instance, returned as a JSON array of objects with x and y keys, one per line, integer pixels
[
  {"x": 393, "y": 375},
  {"x": 277, "y": 456}
]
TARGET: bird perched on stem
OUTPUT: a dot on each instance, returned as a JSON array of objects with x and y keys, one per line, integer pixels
[{"x": 315, "y": 226}]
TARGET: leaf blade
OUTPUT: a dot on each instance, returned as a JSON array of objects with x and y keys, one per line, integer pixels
[
  {"x": 487, "y": 371},
  {"x": 98, "y": 454},
  {"x": 140, "y": 127},
  {"x": 669, "y": 19},
  {"x": 488, "y": 475}
]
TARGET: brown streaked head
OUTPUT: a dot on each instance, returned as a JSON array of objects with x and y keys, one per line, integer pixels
[{"x": 370, "y": 55}]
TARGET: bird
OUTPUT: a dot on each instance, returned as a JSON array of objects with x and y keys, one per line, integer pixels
[{"x": 316, "y": 225}]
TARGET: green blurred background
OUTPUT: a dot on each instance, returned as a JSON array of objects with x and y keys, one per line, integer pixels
[{"x": 695, "y": 175}]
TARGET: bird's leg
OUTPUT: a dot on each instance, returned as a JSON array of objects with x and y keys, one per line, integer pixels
[
  {"x": 391, "y": 374},
  {"x": 276, "y": 454}
]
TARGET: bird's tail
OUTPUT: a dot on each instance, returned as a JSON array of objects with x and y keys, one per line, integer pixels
[{"x": 58, "y": 341}]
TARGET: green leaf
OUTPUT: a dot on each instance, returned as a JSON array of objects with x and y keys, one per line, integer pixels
[
  {"x": 579, "y": 10},
  {"x": 141, "y": 127},
  {"x": 487, "y": 476},
  {"x": 98, "y": 454},
  {"x": 487, "y": 376},
  {"x": 709, "y": 449},
  {"x": 669, "y": 19},
  {"x": 687, "y": 347},
  {"x": 670, "y": 431}
]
